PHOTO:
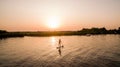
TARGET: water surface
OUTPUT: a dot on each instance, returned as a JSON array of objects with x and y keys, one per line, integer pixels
[{"x": 78, "y": 51}]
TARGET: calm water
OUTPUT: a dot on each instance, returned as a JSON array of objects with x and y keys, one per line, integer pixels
[{"x": 78, "y": 51}]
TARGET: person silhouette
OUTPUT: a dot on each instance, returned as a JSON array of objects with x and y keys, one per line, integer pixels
[
  {"x": 59, "y": 42},
  {"x": 60, "y": 47}
]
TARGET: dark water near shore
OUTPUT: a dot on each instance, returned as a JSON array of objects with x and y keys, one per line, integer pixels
[{"x": 78, "y": 51}]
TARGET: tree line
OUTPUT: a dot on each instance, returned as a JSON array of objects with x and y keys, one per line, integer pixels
[
  {"x": 99, "y": 31},
  {"x": 84, "y": 31}
]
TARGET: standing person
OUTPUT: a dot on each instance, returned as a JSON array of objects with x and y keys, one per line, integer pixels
[
  {"x": 60, "y": 47},
  {"x": 59, "y": 42}
]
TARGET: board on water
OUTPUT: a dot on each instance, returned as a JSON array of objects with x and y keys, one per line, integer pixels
[{"x": 60, "y": 47}]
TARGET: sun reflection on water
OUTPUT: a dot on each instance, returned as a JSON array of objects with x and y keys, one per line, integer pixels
[{"x": 53, "y": 41}]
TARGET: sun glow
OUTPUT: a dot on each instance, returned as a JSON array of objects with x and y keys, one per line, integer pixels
[{"x": 53, "y": 22}]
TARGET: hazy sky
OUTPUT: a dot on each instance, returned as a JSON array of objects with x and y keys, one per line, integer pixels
[{"x": 34, "y": 15}]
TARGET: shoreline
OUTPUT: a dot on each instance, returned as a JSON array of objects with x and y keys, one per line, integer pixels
[
  {"x": 37, "y": 34},
  {"x": 84, "y": 31}
]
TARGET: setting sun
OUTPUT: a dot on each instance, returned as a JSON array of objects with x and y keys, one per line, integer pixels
[{"x": 53, "y": 22}]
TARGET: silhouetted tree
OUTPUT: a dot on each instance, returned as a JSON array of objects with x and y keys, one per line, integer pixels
[
  {"x": 94, "y": 31},
  {"x": 3, "y": 31},
  {"x": 118, "y": 30}
]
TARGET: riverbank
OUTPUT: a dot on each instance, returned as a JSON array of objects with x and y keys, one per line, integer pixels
[{"x": 84, "y": 31}]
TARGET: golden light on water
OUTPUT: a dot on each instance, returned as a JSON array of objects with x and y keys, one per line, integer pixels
[{"x": 53, "y": 41}]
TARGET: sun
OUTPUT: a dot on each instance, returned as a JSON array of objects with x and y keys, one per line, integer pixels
[{"x": 53, "y": 22}]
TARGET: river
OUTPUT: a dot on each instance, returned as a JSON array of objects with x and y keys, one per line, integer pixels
[{"x": 78, "y": 51}]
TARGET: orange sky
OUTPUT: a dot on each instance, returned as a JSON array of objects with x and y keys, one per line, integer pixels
[{"x": 34, "y": 15}]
